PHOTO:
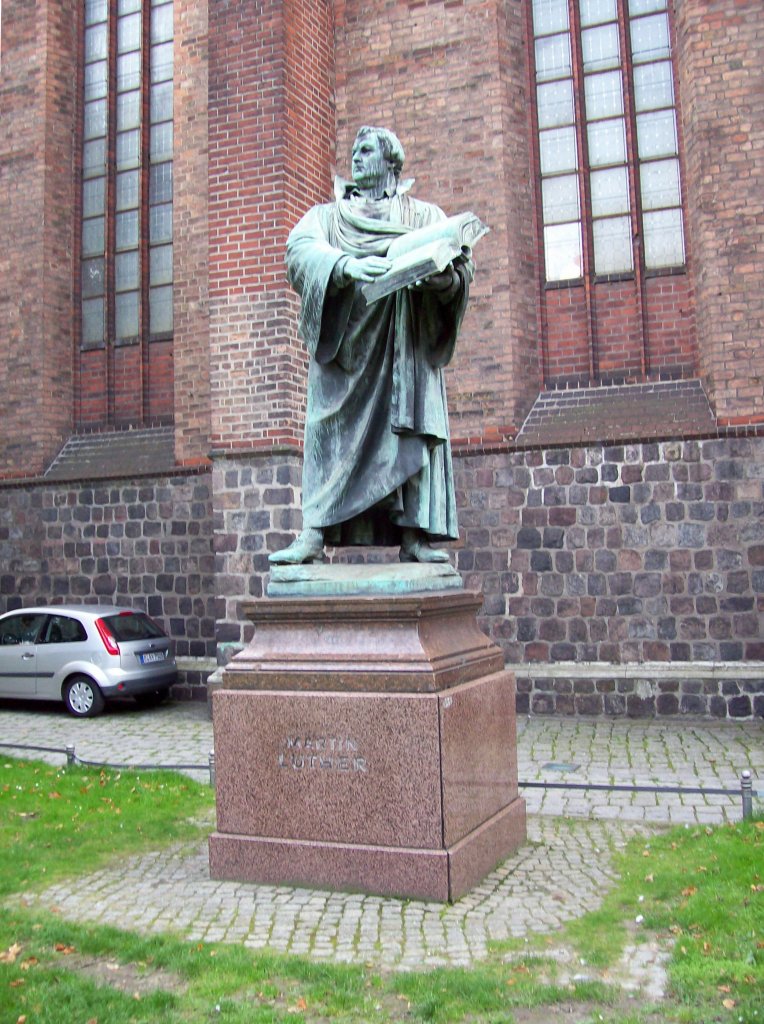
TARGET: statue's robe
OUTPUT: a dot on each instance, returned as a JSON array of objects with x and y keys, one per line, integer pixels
[{"x": 377, "y": 456}]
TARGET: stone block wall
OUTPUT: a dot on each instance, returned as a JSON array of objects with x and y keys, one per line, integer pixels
[
  {"x": 145, "y": 543},
  {"x": 606, "y": 566}
]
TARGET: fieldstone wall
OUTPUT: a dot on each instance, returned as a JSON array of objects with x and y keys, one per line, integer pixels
[
  {"x": 626, "y": 579},
  {"x": 145, "y": 542}
]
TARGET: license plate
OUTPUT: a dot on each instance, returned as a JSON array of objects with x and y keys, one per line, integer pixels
[{"x": 151, "y": 656}]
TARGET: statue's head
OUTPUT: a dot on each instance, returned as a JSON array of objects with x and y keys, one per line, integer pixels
[{"x": 387, "y": 149}]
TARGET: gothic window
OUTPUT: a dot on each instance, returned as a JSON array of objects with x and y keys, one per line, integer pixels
[
  {"x": 127, "y": 160},
  {"x": 607, "y": 145}
]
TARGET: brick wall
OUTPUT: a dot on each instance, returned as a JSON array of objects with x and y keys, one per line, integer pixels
[
  {"x": 449, "y": 79},
  {"x": 191, "y": 353},
  {"x": 37, "y": 97},
  {"x": 271, "y": 131},
  {"x": 145, "y": 543},
  {"x": 720, "y": 54}
]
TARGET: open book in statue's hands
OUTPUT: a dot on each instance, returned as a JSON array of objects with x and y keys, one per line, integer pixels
[{"x": 418, "y": 254}]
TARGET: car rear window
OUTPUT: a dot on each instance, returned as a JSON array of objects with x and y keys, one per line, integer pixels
[{"x": 135, "y": 626}]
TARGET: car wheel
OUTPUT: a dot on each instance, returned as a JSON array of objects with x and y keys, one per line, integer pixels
[
  {"x": 82, "y": 697},
  {"x": 152, "y": 699}
]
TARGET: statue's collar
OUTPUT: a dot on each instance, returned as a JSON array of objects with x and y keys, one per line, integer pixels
[{"x": 344, "y": 189}]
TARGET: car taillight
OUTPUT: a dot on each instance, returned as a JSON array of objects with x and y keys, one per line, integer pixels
[{"x": 109, "y": 642}]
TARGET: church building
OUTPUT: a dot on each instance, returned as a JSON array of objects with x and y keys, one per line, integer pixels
[{"x": 606, "y": 397}]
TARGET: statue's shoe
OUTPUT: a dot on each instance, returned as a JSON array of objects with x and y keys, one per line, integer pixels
[
  {"x": 308, "y": 546},
  {"x": 420, "y": 551}
]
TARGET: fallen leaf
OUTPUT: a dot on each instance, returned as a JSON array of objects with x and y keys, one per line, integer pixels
[
  {"x": 31, "y": 961},
  {"x": 17, "y": 983},
  {"x": 649, "y": 878},
  {"x": 22, "y": 1019},
  {"x": 54, "y": 795},
  {"x": 690, "y": 890},
  {"x": 729, "y": 1004},
  {"x": 10, "y": 954},
  {"x": 723, "y": 988},
  {"x": 61, "y": 947}
]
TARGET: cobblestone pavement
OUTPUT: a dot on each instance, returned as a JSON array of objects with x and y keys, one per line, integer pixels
[{"x": 562, "y": 872}]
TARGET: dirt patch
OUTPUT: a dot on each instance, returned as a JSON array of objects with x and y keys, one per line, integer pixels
[{"x": 135, "y": 979}]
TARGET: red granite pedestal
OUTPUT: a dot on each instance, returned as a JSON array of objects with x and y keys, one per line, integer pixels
[{"x": 366, "y": 743}]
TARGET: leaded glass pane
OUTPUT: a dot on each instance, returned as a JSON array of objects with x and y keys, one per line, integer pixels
[
  {"x": 554, "y": 103},
  {"x": 128, "y": 110},
  {"x": 94, "y": 158},
  {"x": 160, "y": 183},
  {"x": 612, "y": 246},
  {"x": 600, "y": 48},
  {"x": 160, "y": 223},
  {"x": 604, "y": 95},
  {"x": 128, "y": 149},
  {"x": 96, "y": 82},
  {"x": 562, "y": 252},
  {"x": 595, "y": 12},
  {"x": 161, "y": 24},
  {"x": 160, "y": 309},
  {"x": 128, "y": 72},
  {"x": 653, "y": 86},
  {"x": 126, "y": 271},
  {"x": 92, "y": 236},
  {"x": 656, "y": 134},
  {"x": 92, "y": 321},
  {"x": 94, "y": 119},
  {"x": 126, "y": 314},
  {"x": 161, "y": 62},
  {"x": 549, "y": 16},
  {"x": 558, "y": 150},
  {"x": 96, "y": 43},
  {"x": 660, "y": 184},
  {"x": 160, "y": 141},
  {"x": 129, "y": 33},
  {"x": 553, "y": 58},
  {"x": 126, "y": 230},
  {"x": 664, "y": 239},
  {"x": 646, "y": 6},
  {"x": 128, "y": 190},
  {"x": 160, "y": 264},
  {"x": 161, "y": 102},
  {"x": 650, "y": 38},
  {"x": 93, "y": 197},
  {"x": 560, "y": 199},
  {"x": 607, "y": 142},
  {"x": 95, "y": 11},
  {"x": 609, "y": 191},
  {"x": 93, "y": 277}
]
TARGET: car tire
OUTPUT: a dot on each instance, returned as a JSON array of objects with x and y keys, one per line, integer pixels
[
  {"x": 152, "y": 699},
  {"x": 82, "y": 697}
]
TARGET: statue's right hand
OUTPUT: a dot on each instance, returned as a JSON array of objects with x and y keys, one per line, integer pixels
[{"x": 366, "y": 268}]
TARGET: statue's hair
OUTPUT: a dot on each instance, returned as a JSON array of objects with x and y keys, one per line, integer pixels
[{"x": 392, "y": 150}]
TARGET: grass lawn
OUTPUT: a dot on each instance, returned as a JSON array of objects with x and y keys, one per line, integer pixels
[{"x": 697, "y": 892}]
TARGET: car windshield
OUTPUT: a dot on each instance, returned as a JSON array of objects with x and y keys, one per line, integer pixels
[{"x": 132, "y": 626}]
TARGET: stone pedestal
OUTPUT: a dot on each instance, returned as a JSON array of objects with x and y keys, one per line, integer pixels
[{"x": 366, "y": 743}]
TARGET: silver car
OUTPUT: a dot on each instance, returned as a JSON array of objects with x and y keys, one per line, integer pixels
[{"x": 84, "y": 654}]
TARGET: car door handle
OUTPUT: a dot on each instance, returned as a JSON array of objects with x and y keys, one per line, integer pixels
[{"x": 27, "y": 657}]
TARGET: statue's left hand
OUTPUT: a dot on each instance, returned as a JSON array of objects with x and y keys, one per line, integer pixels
[{"x": 446, "y": 281}]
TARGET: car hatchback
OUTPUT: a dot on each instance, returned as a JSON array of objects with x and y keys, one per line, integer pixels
[{"x": 83, "y": 655}]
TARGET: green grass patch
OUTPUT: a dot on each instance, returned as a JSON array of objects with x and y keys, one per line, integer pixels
[
  {"x": 700, "y": 889},
  {"x": 60, "y": 822}
]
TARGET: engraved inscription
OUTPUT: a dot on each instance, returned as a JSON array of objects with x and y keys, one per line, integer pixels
[{"x": 321, "y": 753}]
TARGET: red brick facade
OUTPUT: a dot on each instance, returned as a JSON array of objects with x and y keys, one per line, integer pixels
[{"x": 268, "y": 95}]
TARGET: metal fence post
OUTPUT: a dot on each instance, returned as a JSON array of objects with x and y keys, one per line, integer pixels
[
  {"x": 212, "y": 768},
  {"x": 747, "y": 794},
  {"x": 70, "y": 760}
]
